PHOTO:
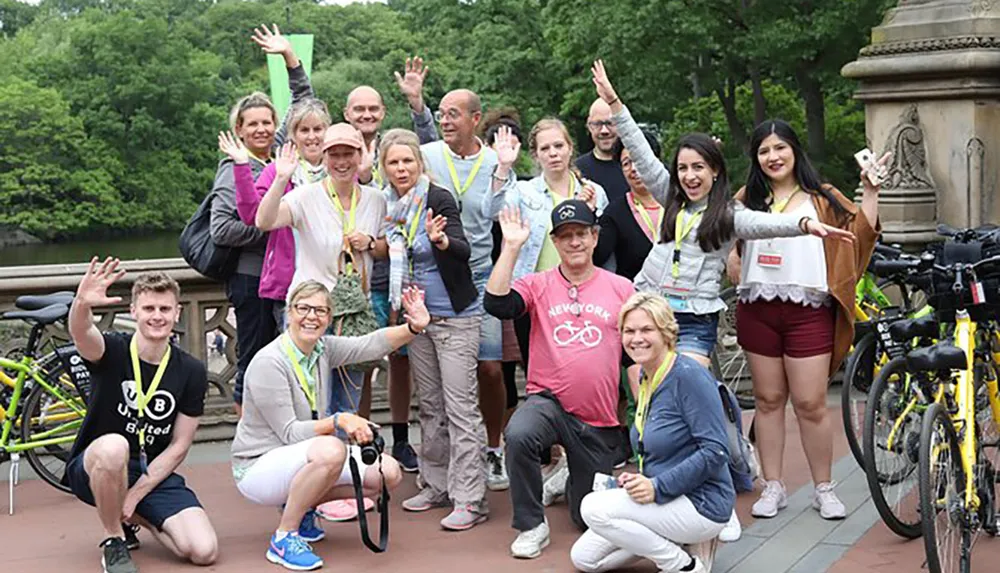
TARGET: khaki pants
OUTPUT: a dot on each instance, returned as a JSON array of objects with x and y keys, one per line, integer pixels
[{"x": 443, "y": 361}]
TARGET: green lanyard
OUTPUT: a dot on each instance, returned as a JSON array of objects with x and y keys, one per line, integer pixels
[
  {"x": 377, "y": 176},
  {"x": 460, "y": 189},
  {"x": 646, "y": 390},
  {"x": 681, "y": 230},
  {"x": 310, "y": 392},
  {"x": 142, "y": 397},
  {"x": 350, "y": 220}
]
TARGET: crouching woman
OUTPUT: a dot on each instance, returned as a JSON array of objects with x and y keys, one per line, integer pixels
[
  {"x": 683, "y": 493},
  {"x": 284, "y": 455}
]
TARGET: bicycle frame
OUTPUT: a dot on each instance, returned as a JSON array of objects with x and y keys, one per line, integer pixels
[{"x": 27, "y": 367}]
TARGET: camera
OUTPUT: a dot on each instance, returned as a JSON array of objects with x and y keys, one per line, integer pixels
[{"x": 373, "y": 449}]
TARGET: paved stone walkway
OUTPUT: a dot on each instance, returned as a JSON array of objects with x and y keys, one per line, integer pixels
[{"x": 52, "y": 532}]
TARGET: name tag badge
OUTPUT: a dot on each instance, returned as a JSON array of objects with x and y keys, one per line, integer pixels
[
  {"x": 678, "y": 304},
  {"x": 769, "y": 260}
]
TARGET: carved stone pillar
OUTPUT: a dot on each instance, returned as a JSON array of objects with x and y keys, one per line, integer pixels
[{"x": 930, "y": 81}]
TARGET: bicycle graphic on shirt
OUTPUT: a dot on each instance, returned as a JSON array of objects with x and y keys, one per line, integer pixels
[{"x": 566, "y": 333}]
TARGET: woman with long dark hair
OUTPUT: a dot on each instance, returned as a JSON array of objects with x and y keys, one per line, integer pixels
[{"x": 796, "y": 300}]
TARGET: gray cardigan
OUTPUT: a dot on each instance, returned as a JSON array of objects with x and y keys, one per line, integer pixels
[
  {"x": 276, "y": 411},
  {"x": 225, "y": 225}
]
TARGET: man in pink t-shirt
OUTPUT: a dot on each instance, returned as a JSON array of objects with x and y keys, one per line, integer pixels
[{"x": 573, "y": 373}]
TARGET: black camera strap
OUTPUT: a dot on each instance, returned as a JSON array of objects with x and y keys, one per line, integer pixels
[{"x": 382, "y": 507}]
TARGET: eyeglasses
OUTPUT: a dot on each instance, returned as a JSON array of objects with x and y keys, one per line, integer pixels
[
  {"x": 573, "y": 297},
  {"x": 303, "y": 309},
  {"x": 599, "y": 125},
  {"x": 451, "y": 114}
]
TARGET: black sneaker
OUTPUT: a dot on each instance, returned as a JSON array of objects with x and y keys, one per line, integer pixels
[
  {"x": 407, "y": 458},
  {"x": 116, "y": 557},
  {"x": 131, "y": 536}
]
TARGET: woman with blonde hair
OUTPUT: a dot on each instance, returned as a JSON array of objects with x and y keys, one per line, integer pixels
[
  {"x": 683, "y": 492},
  {"x": 287, "y": 452},
  {"x": 427, "y": 247}
]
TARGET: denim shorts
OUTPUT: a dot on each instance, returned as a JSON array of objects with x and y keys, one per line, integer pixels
[
  {"x": 698, "y": 332},
  {"x": 381, "y": 306},
  {"x": 490, "y": 330}
]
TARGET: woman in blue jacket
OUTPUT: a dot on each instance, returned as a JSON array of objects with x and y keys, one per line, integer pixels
[{"x": 683, "y": 493}]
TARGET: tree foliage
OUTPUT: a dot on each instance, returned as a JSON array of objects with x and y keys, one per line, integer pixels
[{"x": 110, "y": 107}]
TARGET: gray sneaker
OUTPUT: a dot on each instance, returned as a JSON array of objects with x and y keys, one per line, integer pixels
[
  {"x": 116, "y": 557},
  {"x": 423, "y": 501},
  {"x": 464, "y": 517}
]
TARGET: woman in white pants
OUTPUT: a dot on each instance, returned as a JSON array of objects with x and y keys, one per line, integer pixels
[{"x": 683, "y": 493}]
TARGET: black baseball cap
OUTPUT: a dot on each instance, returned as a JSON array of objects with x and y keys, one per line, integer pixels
[{"x": 572, "y": 211}]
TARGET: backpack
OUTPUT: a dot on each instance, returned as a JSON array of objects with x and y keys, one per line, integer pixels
[
  {"x": 200, "y": 251},
  {"x": 743, "y": 464}
]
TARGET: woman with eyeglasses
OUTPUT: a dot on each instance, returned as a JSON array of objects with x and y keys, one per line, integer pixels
[
  {"x": 289, "y": 454},
  {"x": 428, "y": 249},
  {"x": 683, "y": 493},
  {"x": 254, "y": 121},
  {"x": 795, "y": 316}
]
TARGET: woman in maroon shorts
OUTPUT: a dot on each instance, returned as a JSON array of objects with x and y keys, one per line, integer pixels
[{"x": 795, "y": 317}]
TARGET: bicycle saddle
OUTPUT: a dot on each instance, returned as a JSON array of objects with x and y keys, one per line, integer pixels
[
  {"x": 941, "y": 356},
  {"x": 35, "y": 302},
  {"x": 923, "y": 327},
  {"x": 46, "y": 315}
]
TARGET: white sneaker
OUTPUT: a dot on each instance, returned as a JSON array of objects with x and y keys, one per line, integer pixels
[
  {"x": 496, "y": 476},
  {"x": 732, "y": 531},
  {"x": 827, "y": 502},
  {"x": 554, "y": 484},
  {"x": 773, "y": 498},
  {"x": 699, "y": 567},
  {"x": 529, "y": 544}
]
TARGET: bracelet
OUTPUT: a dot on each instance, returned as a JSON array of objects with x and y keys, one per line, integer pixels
[
  {"x": 413, "y": 332},
  {"x": 614, "y": 101},
  {"x": 803, "y": 222}
]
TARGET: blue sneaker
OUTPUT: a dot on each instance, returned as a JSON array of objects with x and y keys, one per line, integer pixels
[
  {"x": 407, "y": 458},
  {"x": 292, "y": 552},
  {"x": 309, "y": 529}
]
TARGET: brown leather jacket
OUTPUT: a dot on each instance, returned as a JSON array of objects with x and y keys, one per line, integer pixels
[{"x": 845, "y": 264}]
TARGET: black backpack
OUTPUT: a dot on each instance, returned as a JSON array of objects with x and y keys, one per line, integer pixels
[{"x": 200, "y": 251}]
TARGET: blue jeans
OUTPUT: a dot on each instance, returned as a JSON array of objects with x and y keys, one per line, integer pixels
[{"x": 254, "y": 324}]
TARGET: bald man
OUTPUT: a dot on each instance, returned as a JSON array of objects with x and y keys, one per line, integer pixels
[
  {"x": 460, "y": 162},
  {"x": 598, "y": 165}
]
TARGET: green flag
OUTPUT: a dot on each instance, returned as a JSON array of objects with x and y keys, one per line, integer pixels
[{"x": 280, "y": 94}]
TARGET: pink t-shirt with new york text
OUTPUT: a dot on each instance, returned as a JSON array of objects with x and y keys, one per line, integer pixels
[{"x": 576, "y": 348}]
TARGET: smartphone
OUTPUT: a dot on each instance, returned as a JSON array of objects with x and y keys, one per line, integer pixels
[
  {"x": 603, "y": 482},
  {"x": 866, "y": 161}
]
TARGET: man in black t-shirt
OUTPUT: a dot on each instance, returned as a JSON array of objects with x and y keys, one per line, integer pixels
[
  {"x": 598, "y": 165},
  {"x": 139, "y": 425}
]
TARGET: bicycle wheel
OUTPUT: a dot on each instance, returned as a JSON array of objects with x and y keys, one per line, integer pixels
[
  {"x": 729, "y": 364},
  {"x": 947, "y": 535},
  {"x": 858, "y": 374},
  {"x": 891, "y": 472},
  {"x": 43, "y": 413}
]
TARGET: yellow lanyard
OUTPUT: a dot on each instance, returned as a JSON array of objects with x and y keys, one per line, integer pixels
[
  {"x": 263, "y": 162},
  {"x": 142, "y": 397},
  {"x": 780, "y": 206},
  {"x": 461, "y": 189},
  {"x": 349, "y": 221},
  {"x": 411, "y": 236},
  {"x": 681, "y": 230},
  {"x": 377, "y": 176},
  {"x": 309, "y": 391},
  {"x": 646, "y": 389},
  {"x": 654, "y": 231}
]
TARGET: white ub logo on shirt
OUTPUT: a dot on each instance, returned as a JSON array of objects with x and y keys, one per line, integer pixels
[{"x": 159, "y": 407}]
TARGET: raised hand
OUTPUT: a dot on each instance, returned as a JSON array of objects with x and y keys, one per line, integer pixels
[
  {"x": 367, "y": 165},
  {"x": 286, "y": 161},
  {"x": 416, "y": 312},
  {"x": 93, "y": 289},
  {"x": 233, "y": 147},
  {"x": 435, "y": 226},
  {"x": 879, "y": 166},
  {"x": 506, "y": 146},
  {"x": 272, "y": 42},
  {"x": 823, "y": 231},
  {"x": 411, "y": 81},
  {"x": 605, "y": 90},
  {"x": 515, "y": 231},
  {"x": 588, "y": 195}
]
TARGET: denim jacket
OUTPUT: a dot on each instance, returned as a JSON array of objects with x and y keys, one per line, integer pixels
[{"x": 535, "y": 202}]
